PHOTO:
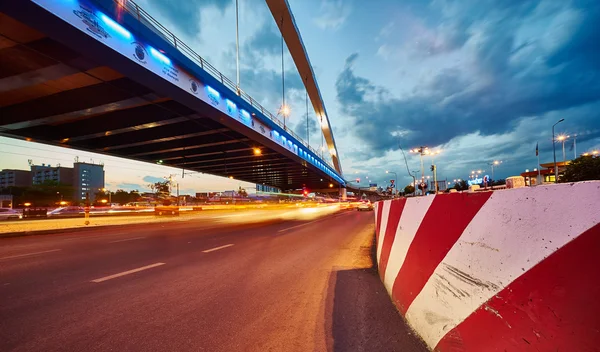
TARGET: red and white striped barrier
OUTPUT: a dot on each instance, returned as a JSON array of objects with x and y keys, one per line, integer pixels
[{"x": 511, "y": 270}]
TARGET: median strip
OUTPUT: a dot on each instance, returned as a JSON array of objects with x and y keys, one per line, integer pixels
[
  {"x": 30, "y": 254},
  {"x": 102, "y": 279},
  {"x": 217, "y": 248}
]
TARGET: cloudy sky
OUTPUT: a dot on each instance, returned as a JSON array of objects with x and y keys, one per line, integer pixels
[{"x": 480, "y": 80}]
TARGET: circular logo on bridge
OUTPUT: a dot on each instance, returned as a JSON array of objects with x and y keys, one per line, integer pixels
[
  {"x": 139, "y": 52},
  {"x": 194, "y": 86}
]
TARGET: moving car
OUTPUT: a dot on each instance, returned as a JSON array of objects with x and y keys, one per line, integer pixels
[
  {"x": 10, "y": 214},
  {"x": 71, "y": 211},
  {"x": 365, "y": 205}
]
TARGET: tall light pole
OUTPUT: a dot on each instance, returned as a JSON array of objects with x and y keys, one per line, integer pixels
[
  {"x": 494, "y": 163},
  {"x": 434, "y": 167},
  {"x": 554, "y": 151},
  {"x": 562, "y": 138},
  {"x": 422, "y": 151},
  {"x": 395, "y": 180},
  {"x": 104, "y": 190}
]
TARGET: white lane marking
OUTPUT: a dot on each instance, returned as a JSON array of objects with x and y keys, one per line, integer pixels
[
  {"x": 127, "y": 272},
  {"x": 30, "y": 254},
  {"x": 294, "y": 227},
  {"x": 127, "y": 239},
  {"x": 217, "y": 248}
]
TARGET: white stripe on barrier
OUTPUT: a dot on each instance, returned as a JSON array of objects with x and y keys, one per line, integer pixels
[
  {"x": 412, "y": 215},
  {"x": 504, "y": 240},
  {"x": 385, "y": 212}
]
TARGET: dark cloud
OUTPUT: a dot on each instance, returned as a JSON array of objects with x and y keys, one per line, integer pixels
[
  {"x": 300, "y": 127},
  {"x": 266, "y": 41},
  {"x": 186, "y": 14},
  {"x": 508, "y": 85}
]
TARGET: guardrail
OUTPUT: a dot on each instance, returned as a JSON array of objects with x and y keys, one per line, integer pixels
[{"x": 147, "y": 20}]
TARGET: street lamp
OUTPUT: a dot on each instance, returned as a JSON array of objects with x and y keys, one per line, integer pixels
[
  {"x": 554, "y": 151},
  {"x": 494, "y": 163},
  {"x": 422, "y": 151},
  {"x": 395, "y": 180},
  {"x": 562, "y": 138},
  {"x": 434, "y": 167},
  {"x": 285, "y": 112},
  {"x": 104, "y": 190}
]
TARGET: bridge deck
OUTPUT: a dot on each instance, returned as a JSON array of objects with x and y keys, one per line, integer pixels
[{"x": 63, "y": 95}]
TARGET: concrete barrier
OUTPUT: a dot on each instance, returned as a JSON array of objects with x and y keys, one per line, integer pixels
[{"x": 510, "y": 270}]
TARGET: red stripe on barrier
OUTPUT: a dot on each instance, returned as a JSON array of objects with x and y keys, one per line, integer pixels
[
  {"x": 444, "y": 222},
  {"x": 379, "y": 214},
  {"x": 554, "y": 306},
  {"x": 396, "y": 208}
]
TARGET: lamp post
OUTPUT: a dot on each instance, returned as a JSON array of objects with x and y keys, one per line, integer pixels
[
  {"x": 554, "y": 151},
  {"x": 109, "y": 195},
  {"x": 562, "y": 138},
  {"x": 434, "y": 167},
  {"x": 423, "y": 150},
  {"x": 494, "y": 163},
  {"x": 395, "y": 180}
]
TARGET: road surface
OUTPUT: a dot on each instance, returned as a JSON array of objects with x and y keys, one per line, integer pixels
[{"x": 188, "y": 286}]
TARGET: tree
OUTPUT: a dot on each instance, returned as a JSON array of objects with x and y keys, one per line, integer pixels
[
  {"x": 161, "y": 189},
  {"x": 584, "y": 168},
  {"x": 461, "y": 185},
  {"x": 410, "y": 189}
]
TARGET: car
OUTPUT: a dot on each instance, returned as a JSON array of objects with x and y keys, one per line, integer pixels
[
  {"x": 71, "y": 211},
  {"x": 365, "y": 205},
  {"x": 10, "y": 214}
]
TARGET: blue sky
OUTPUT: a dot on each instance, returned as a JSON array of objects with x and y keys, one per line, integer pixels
[{"x": 481, "y": 80}]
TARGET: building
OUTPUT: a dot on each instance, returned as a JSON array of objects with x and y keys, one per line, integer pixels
[
  {"x": 43, "y": 173},
  {"x": 546, "y": 172},
  {"x": 15, "y": 178},
  {"x": 87, "y": 178},
  {"x": 265, "y": 188}
]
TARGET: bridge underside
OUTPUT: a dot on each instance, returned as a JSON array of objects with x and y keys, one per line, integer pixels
[{"x": 52, "y": 94}]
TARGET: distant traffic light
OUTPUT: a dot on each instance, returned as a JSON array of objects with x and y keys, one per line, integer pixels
[{"x": 432, "y": 168}]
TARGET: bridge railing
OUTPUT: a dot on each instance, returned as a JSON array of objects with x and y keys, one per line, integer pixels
[{"x": 147, "y": 20}]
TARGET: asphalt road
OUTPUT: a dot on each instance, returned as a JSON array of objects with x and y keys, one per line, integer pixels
[{"x": 188, "y": 286}]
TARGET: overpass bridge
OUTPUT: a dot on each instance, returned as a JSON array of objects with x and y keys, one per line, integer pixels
[{"x": 104, "y": 76}]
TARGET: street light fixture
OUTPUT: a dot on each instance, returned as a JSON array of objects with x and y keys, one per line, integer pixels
[
  {"x": 563, "y": 138},
  {"x": 554, "y": 151},
  {"x": 395, "y": 180},
  {"x": 285, "y": 112},
  {"x": 494, "y": 163},
  {"x": 422, "y": 151},
  {"x": 434, "y": 167}
]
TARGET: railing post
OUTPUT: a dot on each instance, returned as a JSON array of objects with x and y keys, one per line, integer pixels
[
  {"x": 137, "y": 11},
  {"x": 174, "y": 40},
  {"x": 221, "y": 75}
]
